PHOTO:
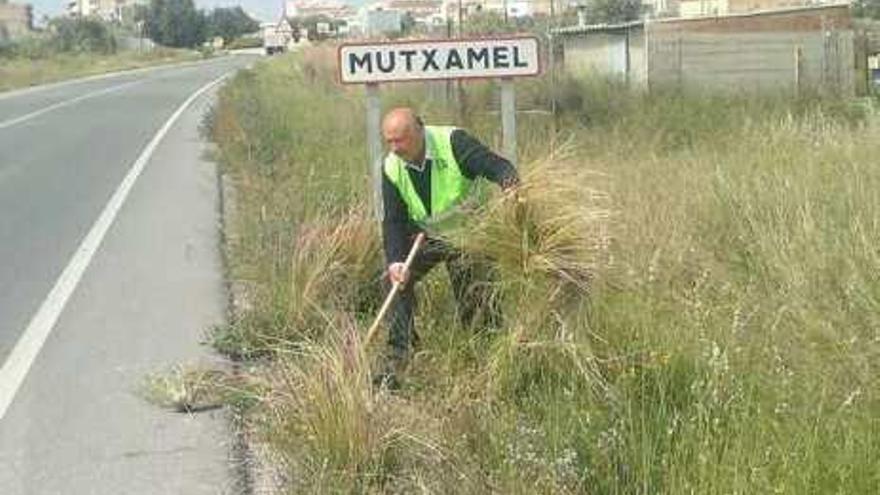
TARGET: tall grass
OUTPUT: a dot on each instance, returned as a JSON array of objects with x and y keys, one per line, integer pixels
[
  {"x": 18, "y": 72},
  {"x": 690, "y": 289}
]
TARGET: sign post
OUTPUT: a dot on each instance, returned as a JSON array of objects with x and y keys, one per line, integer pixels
[
  {"x": 430, "y": 60},
  {"x": 374, "y": 145},
  {"x": 508, "y": 119}
]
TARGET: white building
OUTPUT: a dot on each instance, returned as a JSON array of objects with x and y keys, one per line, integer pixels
[
  {"x": 106, "y": 9},
  {"x": 307, "y": 8},
  {"x": 515, "y": 8}
]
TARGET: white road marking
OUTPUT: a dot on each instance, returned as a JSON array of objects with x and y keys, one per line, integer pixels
[
  {"x": 19, "y": 362},
  {"x": 65, "y": 103}
]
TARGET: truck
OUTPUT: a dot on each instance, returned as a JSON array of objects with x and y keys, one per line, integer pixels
[{"x": 274, "y": 42}]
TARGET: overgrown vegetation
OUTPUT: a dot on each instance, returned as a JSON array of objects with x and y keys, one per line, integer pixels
[
  {"x": 73, "y": 48},
  {"x": 867, "y": 8},
  {"x": 21, "y": 72},
  {"x": 691, "y": 291},
  {"x": 64, "y": 35},
  {"x": 177, "y": 23}
]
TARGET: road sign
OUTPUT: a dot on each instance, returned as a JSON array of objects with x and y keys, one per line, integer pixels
[{"x": 364, "y": 63}]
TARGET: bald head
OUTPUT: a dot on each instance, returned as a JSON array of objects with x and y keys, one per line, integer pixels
[{"x": 404, "y": 134}]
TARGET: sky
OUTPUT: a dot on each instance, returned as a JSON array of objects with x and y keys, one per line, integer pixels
[{"x": 263, "y": 10}]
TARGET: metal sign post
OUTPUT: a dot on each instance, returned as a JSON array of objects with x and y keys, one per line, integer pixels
[
  {"x": 430, "y": 60},
  {"x": 374, "y": 145},
  {"x": 508, "y": 119}
]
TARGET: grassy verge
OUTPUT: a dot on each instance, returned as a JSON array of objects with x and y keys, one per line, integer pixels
[
  {"x": 690, "y": 295},
  {"x": 23, "y": 72}
]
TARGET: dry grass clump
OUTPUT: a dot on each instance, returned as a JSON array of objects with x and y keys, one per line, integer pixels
[
  {"x": 334, "y": 265},
  {"x": 547, "y": 242},
  {"x": 318, "y": 63},
  {"x": 555, "y": 226},
  {"x": 335, "y": 431},
  {"x": 187, "y": 388}
]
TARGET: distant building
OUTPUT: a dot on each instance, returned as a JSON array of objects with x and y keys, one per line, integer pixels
[
  {"x": 16, "y": 20},
  {"x": 310, "y": 8},
  {"x": 419, "y": 9},
  {"x": 698, "y": 8},
  {"x": 427, "y": 13},
  {"x": 781, "y": 50},
  {"x": 381, "y": 23},
  {"x": 106, "y": 9},
  {"x": 661, "y": 8}
]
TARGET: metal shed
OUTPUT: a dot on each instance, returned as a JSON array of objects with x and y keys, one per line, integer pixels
[
  {"x": 796, "y": 49},
  {"x": 617, "y": 50}
]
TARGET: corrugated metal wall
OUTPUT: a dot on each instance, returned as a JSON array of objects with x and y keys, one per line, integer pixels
[
  {"x": 808, "y": 49},
  {"x": 608, "y": 53},
  {"x": 638, "y": 62},
  {"x": 595, "y": 53},
  {"x": 753, "y": 61}
]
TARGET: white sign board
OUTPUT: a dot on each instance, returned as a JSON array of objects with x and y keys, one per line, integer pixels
[{"x": 423, "y": 60}]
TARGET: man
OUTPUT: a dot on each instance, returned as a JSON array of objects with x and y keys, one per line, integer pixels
[{"x": 428, "y": 173}]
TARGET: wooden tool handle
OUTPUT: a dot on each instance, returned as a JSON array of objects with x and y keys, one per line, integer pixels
[{"x": 395, "y": 288}]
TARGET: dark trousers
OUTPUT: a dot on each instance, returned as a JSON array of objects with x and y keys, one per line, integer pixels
[{"x": 471, "y": 280}]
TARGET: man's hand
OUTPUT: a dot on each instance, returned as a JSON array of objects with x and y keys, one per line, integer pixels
[
  {"x": 397, "y": 274},
  {"x": 511, "y": 193}
]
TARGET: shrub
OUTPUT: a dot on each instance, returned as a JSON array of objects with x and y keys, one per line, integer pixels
[{"x": 81, "y": 35}]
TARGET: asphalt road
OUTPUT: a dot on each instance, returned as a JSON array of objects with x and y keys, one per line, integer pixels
[{"x": 145, "y": 293}]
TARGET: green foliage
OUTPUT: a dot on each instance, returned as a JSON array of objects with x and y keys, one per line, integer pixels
[
  {"x": 174, "y": 23},
  {"x": 613, "y": 11},
  {"x": 64, "y": 35},
  {"x": 177, "y": 23},
  {"x": 7, "y": 49},
  {"x": 866, "y": 8},
  {"x": 230, "y": 23},
  {"x": 81, "y": 35}
]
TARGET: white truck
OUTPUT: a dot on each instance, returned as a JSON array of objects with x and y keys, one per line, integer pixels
[{"x": 274, "y": 42}]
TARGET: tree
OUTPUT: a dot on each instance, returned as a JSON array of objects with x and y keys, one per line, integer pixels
[
  {"x": 81, "y": 35},
  {"x": 613, "y": 11},
  {"x": 407, "y": 23},
  {"x": 230, "y": 23},
  {"x": 175, "y": 23},
  {"x": 867, "y": 8},
  {"x": 310, "y": 24}
]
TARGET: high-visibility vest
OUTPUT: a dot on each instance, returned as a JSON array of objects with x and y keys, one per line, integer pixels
[{"x": 448, "y": 185}]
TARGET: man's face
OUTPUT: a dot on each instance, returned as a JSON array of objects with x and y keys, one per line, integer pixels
[{"x": 404, "y": 141}]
